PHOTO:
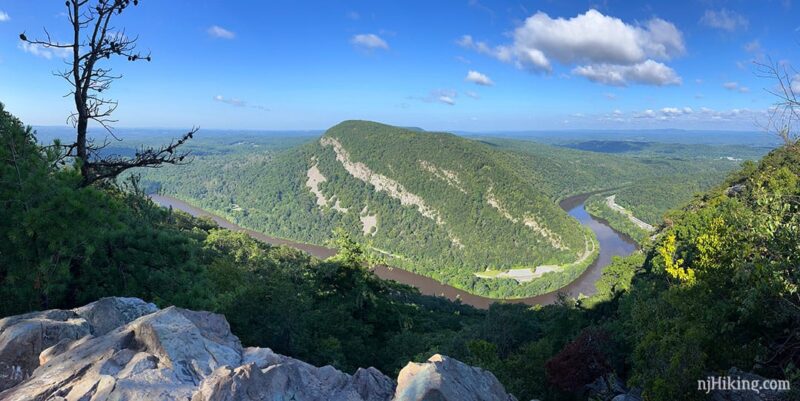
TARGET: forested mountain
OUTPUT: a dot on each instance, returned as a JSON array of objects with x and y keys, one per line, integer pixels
[{"x": 435, "y": 203}]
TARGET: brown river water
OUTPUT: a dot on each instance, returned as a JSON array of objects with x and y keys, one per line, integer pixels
[{"x": 612, "y": 243}]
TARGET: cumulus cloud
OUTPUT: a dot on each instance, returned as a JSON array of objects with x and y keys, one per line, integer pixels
[
  {"x": 220, "y": 32},
  {"x": 649, "y": 113},
  {"x": 474, "y": 95},
  {"x": 369, "y": 41},
  {"x": 649, "y": 73},
  {"x": 44, "y": 51},
  {"x": 447, "y": 100},
  {"x": 734, "y": 86},
  {"x": 596, "y": 38},
  {"x": 676, "y": 111},
  {"x": 478, "y": 78},
  {"x": 444, "y": 96},
  {"x": 725, "y": 20},
  {"x": 606, "y": 49},
  {"x": 703, "y": 114},
  {"x": 238, "y": 103},
  {"x": 501, "y": 53},
  {"x": 4, "y": 16}
]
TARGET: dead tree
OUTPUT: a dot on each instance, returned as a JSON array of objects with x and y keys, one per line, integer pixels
[
  {"x": 785, "y": 112},
  {"x": 94, "y": 42}
]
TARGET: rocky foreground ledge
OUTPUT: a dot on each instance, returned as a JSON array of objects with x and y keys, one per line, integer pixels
[{"x": 126, "y": 349}]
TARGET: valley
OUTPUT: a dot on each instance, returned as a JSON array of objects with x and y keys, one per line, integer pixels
[
  {"x": 611, "y": 244},
  {"x": 479, "y": 215}
]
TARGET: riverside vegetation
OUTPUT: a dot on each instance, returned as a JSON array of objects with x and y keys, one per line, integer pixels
[{"x": 717, "y": 288}]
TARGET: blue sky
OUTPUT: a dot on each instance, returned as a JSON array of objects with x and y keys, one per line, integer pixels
[{"x": 445, "y": 65}]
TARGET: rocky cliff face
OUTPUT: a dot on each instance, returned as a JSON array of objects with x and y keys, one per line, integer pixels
[{"x": 127, "y": 349}]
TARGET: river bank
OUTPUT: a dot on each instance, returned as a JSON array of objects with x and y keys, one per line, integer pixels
[{"x": 611, "y": 244}]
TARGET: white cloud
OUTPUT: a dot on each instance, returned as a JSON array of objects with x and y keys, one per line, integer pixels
[
  {"x": 703, "y": 114},
  {"x": 795, "y": 86},
  {"x": 725, "y": 20},
  {"x": 753, "y": 46},
  {"x": 369, "y": 41},
  {"x": 609, "y": 50},
  {"x": 734, "y": 86},
  {"x": 238, "y": 103},
  {"x": 230, "y": 101},
  {"x": 44, "y": 51},
  {"x": 649, "y": 72},
  {"x": 4, "y": 16},
  {"x": 676, "y": 111},
  {"x": 445, "y": 96},
  {"x": 596, "y": 38},
  {"x": 478, "y": 78},
  {"x": 220, "y": 32},
  {"x": 649, "y": 113},
  {"x": 472, "y": 94},
  {"x": 501, "y": 53},
  {"x": 447, "y": 100},
  {"x": 353, "y": 15}
]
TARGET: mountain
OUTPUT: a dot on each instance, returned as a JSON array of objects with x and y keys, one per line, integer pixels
[{"x": 433, "y": 203}]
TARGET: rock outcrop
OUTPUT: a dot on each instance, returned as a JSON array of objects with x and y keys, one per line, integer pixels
[
  {"x": 443, "y": 378},
  {"x": 24, "y": 337},
  {"x": 126, "y": 349}
]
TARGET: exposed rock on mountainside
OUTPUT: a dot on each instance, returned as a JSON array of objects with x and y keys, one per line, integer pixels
[
  {"x": 126, "y": 349},
  {"x": 380, "y": 182}
]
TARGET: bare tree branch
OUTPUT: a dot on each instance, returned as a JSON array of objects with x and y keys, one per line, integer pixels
[
  {"x": 785, "y": 112},
  {"x": 95, "y": 41}
]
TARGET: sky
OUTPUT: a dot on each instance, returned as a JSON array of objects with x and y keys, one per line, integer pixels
[{"x": 466, "y": 65}]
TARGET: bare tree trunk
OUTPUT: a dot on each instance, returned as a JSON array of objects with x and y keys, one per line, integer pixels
[{"x": 80, "y": 147}]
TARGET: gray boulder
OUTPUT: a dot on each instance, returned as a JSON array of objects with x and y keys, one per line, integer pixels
[
  {"x": 445, "y": 379},
  {"x": 125, "y": 349},
  {"x": 23, "y": 338},
  {"x": 293, "y": 380},
  {"x": 107, "y": 314},
  {"x": 160, "y": 356}
]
